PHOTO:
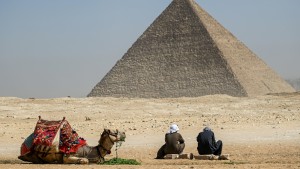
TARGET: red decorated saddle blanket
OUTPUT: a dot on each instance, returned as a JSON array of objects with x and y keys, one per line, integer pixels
[{"x": 52, "y": 136}]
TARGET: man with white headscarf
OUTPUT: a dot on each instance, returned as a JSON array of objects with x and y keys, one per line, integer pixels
[
  {"x": 207, "y": 143},
  {"x": 174, "y": 143}
]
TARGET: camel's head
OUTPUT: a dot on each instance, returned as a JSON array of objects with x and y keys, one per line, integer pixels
[{"x": 112, "y": 135}]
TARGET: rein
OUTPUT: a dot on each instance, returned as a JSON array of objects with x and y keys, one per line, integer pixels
[
  {"x": 111, "y": 134},
  {"x": 99, "y": 153},
  {"x": 100, "y": 146}
]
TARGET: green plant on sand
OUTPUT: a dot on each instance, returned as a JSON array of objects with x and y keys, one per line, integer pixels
[{"x": 121, "y": 161}]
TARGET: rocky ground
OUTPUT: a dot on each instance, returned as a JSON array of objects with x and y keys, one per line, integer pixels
[{"x": 258, "y": 132}]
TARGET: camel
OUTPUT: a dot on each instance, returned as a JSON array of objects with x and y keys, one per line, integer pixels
[{"x": 84, "y": 155}]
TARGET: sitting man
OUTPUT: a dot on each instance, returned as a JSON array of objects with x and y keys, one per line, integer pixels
[
  {"x": 207, "y": 143},
  {"x": 174, "y": 143}
]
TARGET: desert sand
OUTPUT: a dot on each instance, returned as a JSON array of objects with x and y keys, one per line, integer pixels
[{"x": 257, "y": 132}]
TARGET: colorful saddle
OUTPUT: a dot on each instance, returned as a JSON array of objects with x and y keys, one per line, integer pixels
[{"x": 52, "y": 136}]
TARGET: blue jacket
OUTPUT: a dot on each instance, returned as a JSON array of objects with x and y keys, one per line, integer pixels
[{"x": 206, "y": 142}]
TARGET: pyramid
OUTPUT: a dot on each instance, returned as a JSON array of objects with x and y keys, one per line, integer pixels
[{"x": 186, "y": 53}]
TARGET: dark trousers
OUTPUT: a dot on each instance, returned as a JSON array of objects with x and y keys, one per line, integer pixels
[
  {"x": 207, "y": 150},
  {"x": 219, "y": 148},
  {"x": 164, "y": 151}
]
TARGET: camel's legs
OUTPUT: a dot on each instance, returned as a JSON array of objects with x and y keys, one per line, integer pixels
[{"x": 75, "y": 160}]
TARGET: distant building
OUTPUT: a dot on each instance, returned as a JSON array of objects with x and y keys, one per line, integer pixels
[{"x": 187, "y": 53}]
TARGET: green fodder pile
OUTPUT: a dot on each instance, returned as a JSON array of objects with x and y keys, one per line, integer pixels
[{"x": 121, "y": 161}]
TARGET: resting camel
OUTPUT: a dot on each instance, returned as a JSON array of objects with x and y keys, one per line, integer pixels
[{"x": 84, "y": 155}]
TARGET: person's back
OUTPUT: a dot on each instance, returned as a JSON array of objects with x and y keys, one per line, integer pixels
[
  {"x": 173, "y": 143},
  {"x": 207, "y": 143}
]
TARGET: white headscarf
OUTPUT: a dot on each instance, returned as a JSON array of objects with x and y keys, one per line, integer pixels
[
  {"x": 173, "y": 128},
  {"x": 207, "y": 129}
]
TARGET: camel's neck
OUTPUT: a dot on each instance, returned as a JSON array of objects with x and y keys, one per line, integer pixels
[{"x": 94, "y": 153}]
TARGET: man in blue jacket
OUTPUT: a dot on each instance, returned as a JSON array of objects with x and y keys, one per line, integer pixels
[{"x": 207, "y": 143}]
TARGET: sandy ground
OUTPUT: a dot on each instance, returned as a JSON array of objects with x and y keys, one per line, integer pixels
[{"x": 258, "y": 132}]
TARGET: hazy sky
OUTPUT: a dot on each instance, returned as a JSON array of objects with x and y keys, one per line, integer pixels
[{"x": 59, "y": 48}]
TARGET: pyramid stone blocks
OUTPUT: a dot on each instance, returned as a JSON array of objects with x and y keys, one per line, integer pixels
[{"x": 187, "y": 53}]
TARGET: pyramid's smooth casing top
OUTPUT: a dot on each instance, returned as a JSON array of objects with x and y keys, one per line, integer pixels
[{"x": 186, "y": 53}]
